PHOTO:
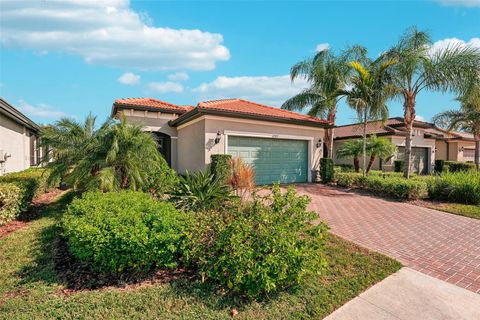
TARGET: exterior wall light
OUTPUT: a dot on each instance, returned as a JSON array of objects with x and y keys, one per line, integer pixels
[
  {"x": 319, "y": 143},
  {"x": 461, "y": 149},
  {"x": 218, "y": 137}
]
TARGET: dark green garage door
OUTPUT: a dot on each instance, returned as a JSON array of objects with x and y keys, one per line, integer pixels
[{"x": 274, "y": 160}]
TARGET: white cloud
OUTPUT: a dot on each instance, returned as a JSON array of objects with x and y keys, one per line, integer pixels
[
  {"x": 40, "y": 110},
  {"x": 462, "y": 3},
  {"x": 453, "y": 42},
  {"x": 129, "y": 78},
  {"x": 268, "y": 90},
  {"x": 322, "y": 46},
  {"x": 420, "y": 118},
  {"x": 107, "y": 32},
  {"x": 164, "y": 87},
  {"x": 178, "y": 76}
]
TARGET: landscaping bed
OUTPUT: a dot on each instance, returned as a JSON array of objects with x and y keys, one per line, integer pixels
[{"x": 32, "y": 285}]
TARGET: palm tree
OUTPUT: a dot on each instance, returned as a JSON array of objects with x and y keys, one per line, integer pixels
[
  {"x": 351, "y": 149},
  {"x": 379, "y": 147},
  {"x": 418, "y": 69},
  {"x": 115, "y": 156},
  {"x": 327, "y": 74},
  {"x": 466, "y": 119},
  {"x": 368, "y": 94}
]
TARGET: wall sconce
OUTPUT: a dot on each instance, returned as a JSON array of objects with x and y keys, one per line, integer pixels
[
  {"x": 460, "y": 149},
  {"x": 218, "y": 137},
  {"x": 434, "y": 149},
  {"x": 319, "y": 143}
]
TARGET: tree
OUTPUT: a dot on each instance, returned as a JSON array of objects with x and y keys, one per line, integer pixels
[
  {"x": 351, "y": 149},
  {"x": 419, "y": 67},
  {"x": 466, "y": 119},
  {"x": 379, "y": 147},
  {"x": 115, "y": 156},
  {"x": 327, "y": 74},
  {"x": 369, "y": 90}
]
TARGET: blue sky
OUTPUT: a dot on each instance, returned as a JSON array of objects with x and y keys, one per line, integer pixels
[{"x": 74, "y": 57}]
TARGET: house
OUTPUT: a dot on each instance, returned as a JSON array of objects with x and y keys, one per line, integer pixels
[
  {"x": 428, "y": 143},
  {"x": 18, "y": 140},
  {"x": 282, "y": 145}
]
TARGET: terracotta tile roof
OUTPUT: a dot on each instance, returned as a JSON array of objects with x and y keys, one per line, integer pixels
[
  {"x": 151, "y": 103},
  {"x": 373, "y": 127},
  {"x": 251, "y": 108}
]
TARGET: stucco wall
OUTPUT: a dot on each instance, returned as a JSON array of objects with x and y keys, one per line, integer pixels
[
  {"x": 462, "y": 145},
  {"x": 453, "y": 151},
  {"x": 158, "y": 122},
  {"x": 261, "y": 128},
  {"x": 441, "y": 153},
  {"x": 14, "y": 140},
  {"x": 191, "y": 147}
]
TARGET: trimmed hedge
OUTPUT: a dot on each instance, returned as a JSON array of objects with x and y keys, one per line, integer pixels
[
  {"x": 439, "y": 166},
  {"x": 389, "y": 185},
  {"x": 221, "y": 166},
  {"x": 326, "y": 170},
  {"x": 10, "y": 201},
  {"x": 456, "y": 166},
  {"x": 124, "y": 231},
  {"x": 461, "y": 187},
  {"x": 25, "y": 184}
]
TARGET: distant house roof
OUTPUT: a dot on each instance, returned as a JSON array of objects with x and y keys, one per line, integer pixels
[
  {"x": 148, "y": 104},
  {"x": 11, "y": 112},
  {"x": 246, "y": 109},
  {"x": 395, "y": 126}
]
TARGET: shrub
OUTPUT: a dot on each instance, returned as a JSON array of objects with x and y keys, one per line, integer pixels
[
  {"x": 390, "y": 185},
  {"x": 162, "y": 180},
  {"x": 326, "y": 170},
  {"x": 10, "y": 202},
  {"x": 455, "y": 166},
  {"x": 221, "y": 167},
  {"x": 398, "y": 165},
  {"x": 258, "y": 248},
  {"x": 462, "y": 187},
  {"x": 344, "y": 168},
  {"x": 439, "y": 166},
  {"x": 200, "y": 191},
  {"x": 124, "y": 231}
]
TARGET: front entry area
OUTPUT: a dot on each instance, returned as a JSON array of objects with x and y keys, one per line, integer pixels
[
  {"x": 420, "y": 159},
  {"x": 274, "y": 160}
]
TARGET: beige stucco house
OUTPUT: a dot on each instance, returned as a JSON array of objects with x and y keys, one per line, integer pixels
[
  {"x": 428, "y": 144},
  {"x": 281, "y": 145},
  {"x": 18, "y": 140}
]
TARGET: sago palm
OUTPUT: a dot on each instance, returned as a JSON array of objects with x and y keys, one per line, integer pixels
[
  {"x": 368, "y": 93},
  {"x": 466, "y": 119},
  {"x": 454, "y": 68},
  {"x": 381, "y": 148},
  {"x": 351, "y": 149}
]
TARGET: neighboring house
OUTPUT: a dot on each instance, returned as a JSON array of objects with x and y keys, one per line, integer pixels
[
  {"x": 428, "y": 144},
  {"x": 18, "y": 140},
  {"x": 281, "y": 145}
]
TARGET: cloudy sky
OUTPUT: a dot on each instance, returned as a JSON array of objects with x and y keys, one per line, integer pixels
[{"x": 72, "y": 57}]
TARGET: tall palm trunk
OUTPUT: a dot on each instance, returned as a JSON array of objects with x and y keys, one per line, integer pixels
[
  {"x": 364, "y": 144},
  {"x": 477, "y": 151},
  {"x": 329, "y": 133},
  {"x": 409, "y": 117},
  {"x": 356, "y": 164}
]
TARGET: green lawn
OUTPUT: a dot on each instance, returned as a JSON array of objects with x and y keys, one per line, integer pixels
[
  {"x": 31, "y": 288},
  {"x": 466, "y": 210}
]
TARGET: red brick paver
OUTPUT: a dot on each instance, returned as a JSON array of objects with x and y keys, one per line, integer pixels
[{"x": 439, "y": 244}]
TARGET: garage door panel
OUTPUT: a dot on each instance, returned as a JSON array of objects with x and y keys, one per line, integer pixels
[{"x": 274, "y": 160}]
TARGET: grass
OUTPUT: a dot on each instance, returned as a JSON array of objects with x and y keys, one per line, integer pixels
[
  {"x": 30, "y": 286},
  {"x": 471, "y": 211}
]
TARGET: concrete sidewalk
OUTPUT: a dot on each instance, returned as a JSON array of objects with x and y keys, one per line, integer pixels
[{"x": 409, "y": 294}]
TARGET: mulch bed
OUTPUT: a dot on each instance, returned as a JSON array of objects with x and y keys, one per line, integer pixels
[
  {"x": 38, "y": 204},
  {"x": 79, "y": 277}
]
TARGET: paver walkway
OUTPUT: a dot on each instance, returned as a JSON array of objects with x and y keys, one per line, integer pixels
[{"x": 439, "y": 244}]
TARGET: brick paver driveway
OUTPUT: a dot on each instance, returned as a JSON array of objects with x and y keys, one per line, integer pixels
[{"x": 439, "y": 244}]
